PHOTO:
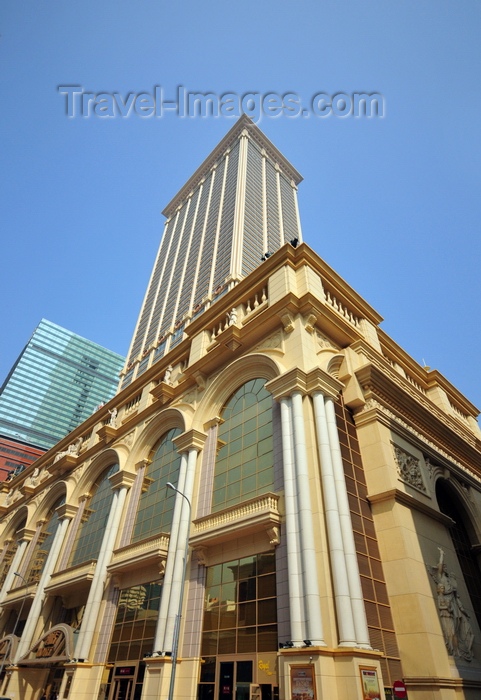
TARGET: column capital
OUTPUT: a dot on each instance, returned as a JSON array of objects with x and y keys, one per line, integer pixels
[
  {"x": 66, "y": 511},
  {"x": 286, "y": 384},
  {"x": 25, "y": 534},
  {"x": 143, "y": 463},
  {"x": 190, "y": 440},
  {"x": 305, "y": 383},
  {"x": 216, "y": 420},
  {"x": 318, "y": 380},
  {"x": 122, "y": 479}
]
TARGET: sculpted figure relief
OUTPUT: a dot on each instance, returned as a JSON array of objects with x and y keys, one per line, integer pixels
[
  {"x": 113, "y": 418},
  {"x": 72, "y": 449},
  {"x": 34, "y": 476},
  {"x": 168, "y": 375},
  {"x": 457, "y": 631}
]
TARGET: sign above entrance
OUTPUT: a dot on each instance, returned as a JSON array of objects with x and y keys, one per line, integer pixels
[
  {"x": 125, "y": 671},
  {"x": 54, "y": 647}
]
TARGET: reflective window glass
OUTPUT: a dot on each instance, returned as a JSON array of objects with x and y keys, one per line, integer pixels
[
  {"x": 236, "y": 620},
  {"x": 10, "y": 552},
  {"x": 91, "y": 531},
  {"x": 156, "y": 504},
  {"x": 244, "y": 464},
  {"x": 44, "y": 545},
  {"x": 135, "y": 623}
]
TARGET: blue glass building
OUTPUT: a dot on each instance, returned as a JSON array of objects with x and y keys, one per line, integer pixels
[{"x": 55, "y": 384}]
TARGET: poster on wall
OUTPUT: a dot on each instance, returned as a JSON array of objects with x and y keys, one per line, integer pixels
[
  {"x": 370, "y": 683},
  {"x": 302, "y": 683}
]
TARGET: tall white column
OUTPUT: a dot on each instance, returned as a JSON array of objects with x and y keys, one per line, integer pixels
[
  {"x": 308, "y": 551},
  {"x": 14, "y": 566},
  {"x": 38, "y": 601},
  {"x": 94, "y": 600},
  {"x": 345, "y": 620},
  {"x": 294, "y": 572},
  {"x": 357, "y": 597},
  {"x": 184, "y": 531},
  {"x": 169, "y": 565}
]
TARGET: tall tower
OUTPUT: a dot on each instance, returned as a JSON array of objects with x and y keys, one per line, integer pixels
[
  {"x": 55, "y": 384},
  {"x": 238, "y": 207}
]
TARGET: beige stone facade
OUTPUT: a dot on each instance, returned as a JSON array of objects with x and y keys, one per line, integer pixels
[{"x": 327, "y": 493}]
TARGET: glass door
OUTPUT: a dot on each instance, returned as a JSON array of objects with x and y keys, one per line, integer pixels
[
  {"x": 125, "y": 682},
  {"x": 235, "y": 678},
  {"x": 122, "y": 689}
]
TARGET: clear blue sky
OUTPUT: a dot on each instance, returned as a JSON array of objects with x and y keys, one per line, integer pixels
[{"x": 392, "y": 204}]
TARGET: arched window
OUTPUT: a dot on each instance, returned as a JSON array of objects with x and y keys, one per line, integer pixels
[
  {"x": 244, "y": 464},
  {"x": 450, "y": 504},
  {"x": 156, "y": 504},
  {"x": 44, "y": 544},
  {"x": 10, "y": 553},
  {"x": 90, "y": 534}
]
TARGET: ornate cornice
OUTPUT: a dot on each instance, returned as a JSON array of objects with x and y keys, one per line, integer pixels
[{"x": 375, "y": 410}]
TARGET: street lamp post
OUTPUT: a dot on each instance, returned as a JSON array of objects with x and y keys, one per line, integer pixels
[
  {"x": 2, "y": 666},
  {"x": 175, "y": 640}
]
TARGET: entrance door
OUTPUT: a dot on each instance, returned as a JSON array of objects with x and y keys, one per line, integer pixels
[
  {"x": 53, "y": 683},
  {"x": 235, "y": 678},
  {"x": 122, "y": 689},
  {"x": 125, "y": 682}
]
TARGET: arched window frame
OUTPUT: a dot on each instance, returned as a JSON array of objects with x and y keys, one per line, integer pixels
[
  {"x": 88, "y": 540},
  {"x": 244, "y": 466},
  {"x": 156, "y": 503}
]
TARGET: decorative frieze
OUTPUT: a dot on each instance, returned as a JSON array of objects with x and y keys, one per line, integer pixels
[
  {"x": 273, "y": 342},
  {"x": 365, "y": 414},
  {"x": 323, "y": 342}
]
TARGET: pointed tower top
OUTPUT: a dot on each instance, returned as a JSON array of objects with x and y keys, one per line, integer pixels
[{"x": 244, "y": 123}]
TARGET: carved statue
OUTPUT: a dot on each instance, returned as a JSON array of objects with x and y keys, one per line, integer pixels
[
  {"x": 445, "y": 608},
  {"x": 233, "y": 317},
  {"x": 167, "y": 375},
  {"x": 72, "y": 450},
  {"x": 457, "y": 631},
  {"x": 113, "y": 418},
  {"x": 34, "y": 476}
]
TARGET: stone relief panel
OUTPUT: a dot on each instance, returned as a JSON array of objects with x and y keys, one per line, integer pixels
[
  {"x": 409, "y": 468},
  {"x": 273, "y": 342},
  {"x": 323, "y": 343}
]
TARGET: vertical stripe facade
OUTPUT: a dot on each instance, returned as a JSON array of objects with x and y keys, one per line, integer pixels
[{"x": 242, "y": 204}]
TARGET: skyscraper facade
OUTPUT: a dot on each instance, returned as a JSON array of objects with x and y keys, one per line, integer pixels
[
  {"x": 240, "y": 206},
  {"x": 281, "y": 504},
  {"x": 55, "y": 384}
]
